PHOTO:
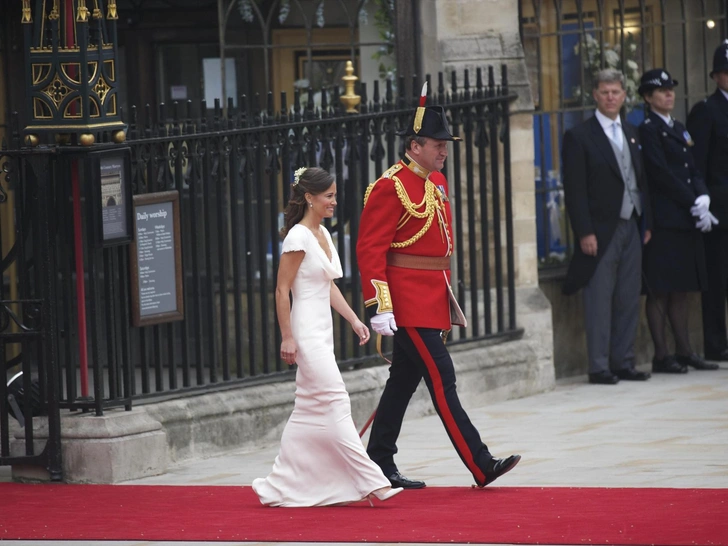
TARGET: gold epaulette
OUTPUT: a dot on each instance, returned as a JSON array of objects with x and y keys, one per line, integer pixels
[
  {"x": 389, "y": 173},
  {"x": 394, "y": 169}
]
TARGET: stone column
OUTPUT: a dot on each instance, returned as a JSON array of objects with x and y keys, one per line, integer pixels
[{"x": 467, "y": 34}]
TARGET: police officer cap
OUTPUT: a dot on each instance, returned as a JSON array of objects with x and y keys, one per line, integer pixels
[
  {"x": 428, "y": 121},
  {"x": 720, "y": 58},
  {"x": 655, "y": 78}
]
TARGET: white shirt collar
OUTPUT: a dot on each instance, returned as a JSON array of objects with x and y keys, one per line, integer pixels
[
  {"x": 666, "y": 119},
  {"x": 606, "y": 122},
  {"x": 725, "y": 93}
]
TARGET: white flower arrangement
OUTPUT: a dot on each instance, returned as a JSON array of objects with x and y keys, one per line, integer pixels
[{"x": 591, "y": 53}]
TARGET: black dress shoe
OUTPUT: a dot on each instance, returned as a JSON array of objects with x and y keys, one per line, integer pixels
[
  {"x": 668, "y": 365},
  {"x": 397, "y": 480},
  {"x": 722, "y": 356},
  {"x": 696, "y": 362},
  {"x": 603, "y": 378},
  {"x": 497, "y": 467},
  {"x": 630, "y": 374}
]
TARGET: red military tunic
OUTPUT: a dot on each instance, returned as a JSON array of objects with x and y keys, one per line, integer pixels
[{"x": 406, "y": 211}]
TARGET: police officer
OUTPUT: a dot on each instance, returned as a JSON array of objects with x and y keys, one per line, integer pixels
[
  {"x": 673, "y": 263},
  {"x": 403, "y": 250},
  {"x": 708, "y": 125}
]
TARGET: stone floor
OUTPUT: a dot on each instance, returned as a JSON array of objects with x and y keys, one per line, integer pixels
[{"x": 671, "y": 431}]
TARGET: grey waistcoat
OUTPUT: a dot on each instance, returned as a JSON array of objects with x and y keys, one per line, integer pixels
[{"x": 631, "y": 197}]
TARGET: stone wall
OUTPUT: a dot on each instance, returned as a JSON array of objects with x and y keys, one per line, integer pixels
[
  {"x": 471, "y": 34},
  {"x": 570, "y": 357}
]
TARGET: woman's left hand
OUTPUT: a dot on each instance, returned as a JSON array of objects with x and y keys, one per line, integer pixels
[{"x": 361, "y": 330}]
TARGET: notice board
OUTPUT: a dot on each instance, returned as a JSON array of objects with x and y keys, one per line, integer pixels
[
  {"x": 108, "y": 173},
  {"x": 157, "y": 293}
]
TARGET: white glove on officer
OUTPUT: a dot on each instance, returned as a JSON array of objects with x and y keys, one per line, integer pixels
[
  {"x": 701, "y": 206},
  {"x": 706, "y": 223},
  {"x": 384, "y": 324}
]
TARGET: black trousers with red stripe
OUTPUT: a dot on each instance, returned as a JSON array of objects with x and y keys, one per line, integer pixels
[{"x": 420, "y": 353}]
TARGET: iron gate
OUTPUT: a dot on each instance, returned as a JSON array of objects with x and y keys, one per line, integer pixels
[{"x": 28, "y": 328}]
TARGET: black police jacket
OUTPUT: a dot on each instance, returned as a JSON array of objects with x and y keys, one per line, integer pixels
[
  {"x": 672, "y": 176},
  {"x": 708, "y": 125}
]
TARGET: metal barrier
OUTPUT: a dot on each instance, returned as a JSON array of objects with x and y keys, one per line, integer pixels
[
  {"x": 28, "y": 314},
  {"x": 233, "y": 174}
]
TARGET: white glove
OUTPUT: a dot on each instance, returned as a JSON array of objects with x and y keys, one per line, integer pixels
[
  {"x": 384, "y": 324},
  {"x": 706, "y": 223},
  {"x": 701, "y": 206}
]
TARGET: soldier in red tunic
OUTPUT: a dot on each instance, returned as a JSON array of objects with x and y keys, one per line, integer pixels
[{"x": 403, "y": 251}]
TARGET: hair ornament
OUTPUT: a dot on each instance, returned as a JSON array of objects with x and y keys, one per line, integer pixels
[{"x": 297, "y": 175}]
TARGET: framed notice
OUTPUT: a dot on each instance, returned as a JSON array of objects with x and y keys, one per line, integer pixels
[
  {"x": 110, "y": 197},
  {"x": 155, "y": 258}
]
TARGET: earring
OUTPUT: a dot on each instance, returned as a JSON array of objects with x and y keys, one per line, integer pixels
[{"x": 310, "y": 204}]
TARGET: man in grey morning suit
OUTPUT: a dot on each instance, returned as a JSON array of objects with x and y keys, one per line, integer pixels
[{"x": 606, "y": 200}]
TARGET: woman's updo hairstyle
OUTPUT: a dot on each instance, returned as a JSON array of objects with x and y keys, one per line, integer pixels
[{"x": 311, "y": 180}]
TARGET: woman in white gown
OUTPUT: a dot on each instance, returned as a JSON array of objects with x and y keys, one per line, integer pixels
[{"x": 321, "y": 461}]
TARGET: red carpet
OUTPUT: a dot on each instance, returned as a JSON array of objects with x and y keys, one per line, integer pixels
[{"x": 517, "y": 515}]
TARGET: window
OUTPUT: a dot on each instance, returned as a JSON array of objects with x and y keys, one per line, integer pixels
[{"x": 567, "y": 41}]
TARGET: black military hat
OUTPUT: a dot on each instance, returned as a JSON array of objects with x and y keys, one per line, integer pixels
[
  {"x": 655, "y": 78},
  {"x": 428, "y": 121},
  {"x": 720, "y": 58}
]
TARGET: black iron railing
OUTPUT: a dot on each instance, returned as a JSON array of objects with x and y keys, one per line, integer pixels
[
  {"x": 233, "y": 175},
  {"x": 28, "y": 313}
]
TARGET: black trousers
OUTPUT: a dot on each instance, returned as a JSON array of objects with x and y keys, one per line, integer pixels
[
  {"x": 714, "y": 300},
  {"x": 418, "y": 353}
]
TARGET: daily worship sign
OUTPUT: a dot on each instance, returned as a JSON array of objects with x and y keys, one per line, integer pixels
[{"x": 156, "y": 260}]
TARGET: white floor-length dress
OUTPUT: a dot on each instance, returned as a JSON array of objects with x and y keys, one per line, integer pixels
[{"x": 321, "y": 460}]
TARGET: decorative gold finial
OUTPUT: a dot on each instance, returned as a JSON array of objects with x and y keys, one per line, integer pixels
[
  {"x": 86, "y": 139},
  {"x": 97, "y": 11},
  {"x": 55, "y": 12},
  {"x": 349, "y": 98},
  {"x": 111, "y": 10},
  {"x": 81, "y": 12},
  {"x": 31, "y": 140},
  {"x": 27, "y": 15},
  {"x": 118, "y": 136}
]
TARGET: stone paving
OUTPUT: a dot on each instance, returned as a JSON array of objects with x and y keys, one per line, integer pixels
[{"x": 671, "y": 431}]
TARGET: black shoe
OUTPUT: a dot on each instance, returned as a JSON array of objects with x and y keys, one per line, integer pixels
[
  {"x": 630, "y": 374},
  {"x": 603, "y": 378},
  {"x": 397, "y": 480},
  {"x": 722, "y": 356},
  {"x": 497, "y": 467},
  {"x": 668, "y": 365},
  {"x": 696, "y": 362}
]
